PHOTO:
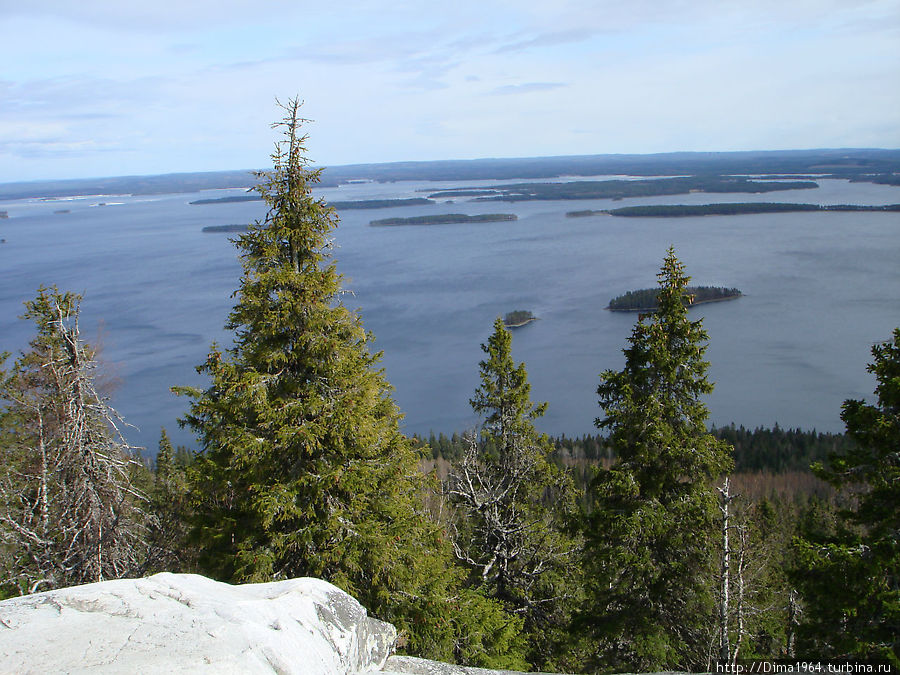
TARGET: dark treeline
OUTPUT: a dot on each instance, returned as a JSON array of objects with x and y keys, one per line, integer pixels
[
  {"x": 445, "y": 219},
  {"x": 620, "y": 189},
  {"x": 234, "y": 199},
  {"x": 645, "y": 299},
  {"x": 741, "y": 208},
  {"x": 880, "y": 179},
  {"x": 234, "y": 227},
  {"x": 341, "y": 206},
  {"x": 772, "y": 449},
  {"x": 867, "y": 165},
  {"x": 518, "y": 317}
]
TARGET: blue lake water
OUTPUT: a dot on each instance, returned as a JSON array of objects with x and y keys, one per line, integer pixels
[{"x": 820, "y": 289}]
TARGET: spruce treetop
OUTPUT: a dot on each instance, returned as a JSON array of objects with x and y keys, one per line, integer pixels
[
  {"x": 504, "y": 395},
  {"x": 656, "y": 397}
]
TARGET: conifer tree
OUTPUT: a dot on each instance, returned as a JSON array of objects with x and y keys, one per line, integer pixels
[
  {"x": 165, "y": 460},
  {"x": 849, "y": 573},
  {"x": 303, "y": 470},
  {"x": 511, "y": 505},
  {"x": 69, "y": 511},
  {"x": 650, "y": 537},
  {"x": 170, "y": 550}
]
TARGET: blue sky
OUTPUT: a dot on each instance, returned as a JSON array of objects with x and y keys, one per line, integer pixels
[{"x": 99, "y": 88}]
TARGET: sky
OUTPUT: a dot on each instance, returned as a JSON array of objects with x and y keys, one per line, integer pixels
[{"x": 105, "y": 88}]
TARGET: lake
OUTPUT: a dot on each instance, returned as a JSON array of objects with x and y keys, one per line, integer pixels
[{"x": 819, "y": 290}]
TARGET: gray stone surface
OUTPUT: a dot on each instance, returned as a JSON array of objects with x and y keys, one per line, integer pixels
[
  {"x": 181, "y": 623},
  {"x": 408, "y": 665}
]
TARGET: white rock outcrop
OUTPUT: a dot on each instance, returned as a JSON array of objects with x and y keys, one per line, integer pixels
[
  {"x": 183, "y": 623},
  {"x": 410, "y": 665}
]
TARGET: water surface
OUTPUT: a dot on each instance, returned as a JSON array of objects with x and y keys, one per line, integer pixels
[{"x": 819, "y": 288}]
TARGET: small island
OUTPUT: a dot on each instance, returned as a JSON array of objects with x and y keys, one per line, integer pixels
[
  {"x": 228, "y": 200},
  {"x": 518, "y": 318},
  {"x": 226, "y": 228},
  {"x": 445, "y": 219},
  {"x": 585, "y": 213},
  {"x": 644, "y": 300}
]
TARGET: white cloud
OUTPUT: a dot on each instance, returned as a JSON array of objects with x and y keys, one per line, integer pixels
[{"x": 527, "y": 88}]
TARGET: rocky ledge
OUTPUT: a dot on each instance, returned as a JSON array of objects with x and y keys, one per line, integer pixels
[{"x": 185, "y": 623}]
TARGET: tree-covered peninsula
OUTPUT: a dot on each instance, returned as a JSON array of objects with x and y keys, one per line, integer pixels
[
  {"x": 341, "y": 206},
  {"x": 233, "y": 199},
  {"x": 645, "y": 299},
  {"x": 741, "y": 208},
  {"x": 445, "y": 219},
  {"x": 235, "y": 227},
  {"x": 620, "y": 189}
]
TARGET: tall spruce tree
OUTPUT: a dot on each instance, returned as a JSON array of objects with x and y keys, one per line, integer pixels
[
  {"x": 303, "y": 469},
  {"x": 849, "y": 573},
  {"x": 651, "y": 534},
  {"x": 512, "y": 504}
]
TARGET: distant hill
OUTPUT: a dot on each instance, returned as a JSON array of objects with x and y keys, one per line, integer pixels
[{"x": 856, "y": 164}]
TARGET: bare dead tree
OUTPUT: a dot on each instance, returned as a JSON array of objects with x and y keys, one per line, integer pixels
[
  {"x": 69, "y": 511},
  {"x": 502, "y": 531},
  {"x": 746, "y": 565},
  {"x": 725, "y": 580}
]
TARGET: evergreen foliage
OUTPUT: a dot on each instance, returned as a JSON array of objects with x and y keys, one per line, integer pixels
[
  {"x": 170, "y": 549},
  {"x": 771, "y": 449},
  {"x": 649, "y": 539},
  {"x": 69, "y": 510},
  {"x": 303, "y": 470},
  {"x": 849, "y": 571},
  {"x": 508, "y": 535}
]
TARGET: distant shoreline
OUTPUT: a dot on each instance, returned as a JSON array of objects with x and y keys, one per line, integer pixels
[
  {"x": 646, "y": 299},
  {"x": 445, "y": 219},
  {"x": 521, "y": 323},
  {"x": 226, "y": 228},
  {"x": 693, "y": 304},
  {"x": 340, "y": 206},
  {"x": 725, "y": 209},
  {"x": 875, "y": 165}
]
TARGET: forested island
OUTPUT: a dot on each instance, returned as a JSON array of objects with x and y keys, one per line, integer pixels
[
  {"x": 445, "y": 219},
  {"x": 644, "y": 299},
  {"x": 358, "y": 204},
  {"x": 620, "y": 189},
  {"x": 741, "y": 208},
  {"x": 226, "y": 228},
  {"x": 227, "y": 200},
  {"x": 518, "y": 318}
]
